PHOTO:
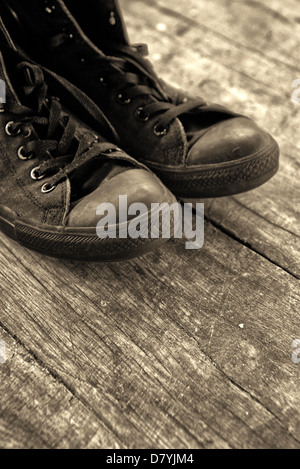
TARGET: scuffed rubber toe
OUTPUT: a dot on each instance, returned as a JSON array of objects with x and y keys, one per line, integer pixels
[
  {"x": 229, "y": 140},
  {"x": 231, "y": 157},
  {"x": 140, "y": 186}
]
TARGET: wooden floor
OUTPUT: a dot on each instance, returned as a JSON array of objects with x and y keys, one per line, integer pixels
[{"x": 178, "y": 349}]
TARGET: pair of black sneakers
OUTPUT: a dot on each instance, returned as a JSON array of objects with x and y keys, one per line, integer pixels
[{"x": 76, "y": 93}]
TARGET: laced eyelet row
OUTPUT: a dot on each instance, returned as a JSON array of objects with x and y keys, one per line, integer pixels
[
  {"x": 21, "y": 153},
  {"x": 57, "y": 137},
  {"x": 13, "y": 133},
  {"x": 159, "y": 130},
  {"x": 46, "y": 188},
  {"x": 140, "y": 114}
]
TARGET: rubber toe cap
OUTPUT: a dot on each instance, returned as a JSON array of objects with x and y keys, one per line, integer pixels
[
  {"x": 228, "y": 141},
  {"x": 139, "y": 185}
]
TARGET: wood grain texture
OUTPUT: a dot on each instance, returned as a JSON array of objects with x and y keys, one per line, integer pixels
[
  {"x": 153, "y": 347},
  {"x": 224, "y": 51},
  {"x": 178, "y": 349},
  {"x": 37, "y": 411}
]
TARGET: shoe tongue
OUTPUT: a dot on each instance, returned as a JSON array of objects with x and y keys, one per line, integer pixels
[
  {"x": 31, "y": 86},
  {"x": 32, "y": 78},
  {"x": 90, "y": 176}
]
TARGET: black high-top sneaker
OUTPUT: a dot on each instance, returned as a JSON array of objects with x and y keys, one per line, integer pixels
[
  {"x": 59, "y": 180},
  {"x": 198, "y": 149}
]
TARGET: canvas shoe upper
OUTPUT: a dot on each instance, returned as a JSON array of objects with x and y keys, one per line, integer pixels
[
  {"x": 55, "y": 171},
  {"x": 198, "y": 149}
]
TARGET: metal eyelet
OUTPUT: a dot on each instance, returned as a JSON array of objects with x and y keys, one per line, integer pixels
[
  {"x": 49, "y": 8},
  {"x": 27, "y": 133},
  {"x": 8, "y": 129},
  {"x": 102, "y": 81},
  {"x": 35, "y": 174},
  {"x": 159, "y": 130},
  {"x": 46, "y": 188},
  {"x": 140, "y": 115},
  {"x": 109, "y": 151},
  {"x": 122, "y": 100},
  {"x": 112, "y": 19},
  {"x": 23, "y": 155}
]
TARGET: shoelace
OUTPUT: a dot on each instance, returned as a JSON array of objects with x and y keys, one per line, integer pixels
[
  {"x": 58, "y": 151},
  {"x": 135, "y": 77}
]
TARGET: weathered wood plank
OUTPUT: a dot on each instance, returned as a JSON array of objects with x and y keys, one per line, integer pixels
[
  {"x": 153, "y": 347},
  {"x": 225, "y": 70},
  {"x": 38, "y": 411},
  {"x": 266, "y": 27}
]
